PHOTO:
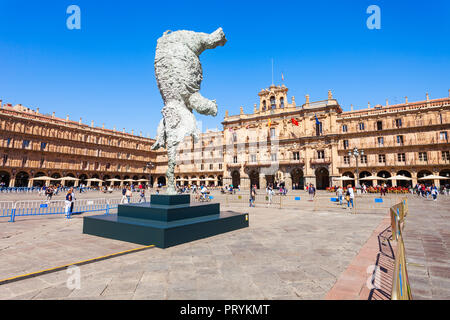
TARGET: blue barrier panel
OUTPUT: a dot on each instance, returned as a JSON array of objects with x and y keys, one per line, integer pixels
[
  {"x": 297, "y": 198},
  {"x": 378, "y": 200},
  {"x": 333, "y": 199},
  {"x": 211, "y": 197}
]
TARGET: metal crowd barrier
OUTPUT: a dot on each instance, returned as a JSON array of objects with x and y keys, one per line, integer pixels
[
  {"x": 25, "y": 208},
  {"x": 400, "y": 283}
]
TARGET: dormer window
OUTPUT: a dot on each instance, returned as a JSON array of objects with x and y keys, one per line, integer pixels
[{"x": 264, "y": 105}]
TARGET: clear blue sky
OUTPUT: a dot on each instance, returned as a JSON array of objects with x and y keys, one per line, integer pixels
[{"x": 104, "y": 72}]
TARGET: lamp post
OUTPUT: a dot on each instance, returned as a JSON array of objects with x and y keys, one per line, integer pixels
[
  {"x": 356, "y": 153},
  {"x": 150, "y": 166}
]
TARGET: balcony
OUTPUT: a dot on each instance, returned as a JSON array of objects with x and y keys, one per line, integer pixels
[
  {"x": 393, "y": 144},
  {"x": 325, "y": 160}
]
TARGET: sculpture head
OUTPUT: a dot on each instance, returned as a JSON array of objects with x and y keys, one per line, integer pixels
[{"x": 217, "y": 38}]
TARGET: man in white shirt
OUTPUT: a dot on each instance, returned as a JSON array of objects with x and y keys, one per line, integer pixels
[{"x": 351, "y": 195}]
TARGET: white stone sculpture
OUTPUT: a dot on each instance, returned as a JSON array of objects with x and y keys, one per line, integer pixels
[{"x": 179, "y": 75}]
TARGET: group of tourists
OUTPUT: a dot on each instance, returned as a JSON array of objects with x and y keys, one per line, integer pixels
[
  {"x": 349, "y": 195},
  {"x": 426, "y": 191},
  {"x": 69, "y": 203},
  {"x": 127, "y": 193}
]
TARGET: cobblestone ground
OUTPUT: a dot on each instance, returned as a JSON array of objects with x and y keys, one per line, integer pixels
[
  {"x": 427, "y": 246},
  {"x": 290, "y": 253}
]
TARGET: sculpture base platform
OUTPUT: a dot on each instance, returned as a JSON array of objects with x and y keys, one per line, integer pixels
[{"x": 164, "y": 222}]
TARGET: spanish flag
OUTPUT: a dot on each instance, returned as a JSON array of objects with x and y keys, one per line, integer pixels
[
  {"x": 295, "y": 122},
  {"x": 269, "y": 122}
]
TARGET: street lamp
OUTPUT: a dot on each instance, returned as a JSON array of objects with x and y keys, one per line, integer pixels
[
  {"x": 356, "y": 153},
  {"x": 150, "y": 166}
]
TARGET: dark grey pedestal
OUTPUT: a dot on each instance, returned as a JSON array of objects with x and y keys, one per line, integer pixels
[{"x": 164, "y": 222}]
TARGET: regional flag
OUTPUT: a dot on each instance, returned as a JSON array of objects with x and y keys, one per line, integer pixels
[
  {"x": 295, "y": 122},
  {"x": 282, "y": 77},
  {"x": 269, "y": 122}
]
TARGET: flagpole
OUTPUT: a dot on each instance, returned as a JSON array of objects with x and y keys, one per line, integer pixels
[{"x": 272, "y": 71}]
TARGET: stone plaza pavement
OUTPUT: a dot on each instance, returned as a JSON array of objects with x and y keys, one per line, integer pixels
[
  {"x": 427, "y": 248},
  {"x": 293, "y": 253}
]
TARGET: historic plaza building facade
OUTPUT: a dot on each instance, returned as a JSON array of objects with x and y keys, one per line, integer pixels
[
  {"x": 33, "y": 144},
  {"x": 279, "y": 142}
]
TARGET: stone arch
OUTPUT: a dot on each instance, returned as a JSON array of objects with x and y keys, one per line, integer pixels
[
  {"x": 298, "y": 181},
  {"x": 423, "y": 173},
  {"x": 220, "y": 180},
  {"x": 322, "y": 178},
  {"x": 235, "y": 178},
  {"x": 39, "y": 183},
  {"x": 404, "y": 183},
  {"x": 446, "y": 182},
  {"x": 162, "y": 180},
  {"x": 384, "y": 174},
  {"x": 253, "y": 175},
  {"x": 5, "y": 177},
  {"x": 22, "y": 179},
  {"x": 347, "y": 182}
]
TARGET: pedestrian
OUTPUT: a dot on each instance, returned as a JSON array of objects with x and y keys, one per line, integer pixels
[
  {"x": 72, "y": 192},
  {"x": 252, "y": 196},
  {"x": 128, "y": 194},
  {"x": 350, "y": 196},
  {"x": 434, "y": 192},
  {"x": 68, "y": 203},
  {"x": 339, "y": 194},
  {"x": 142, "y": 196},
  {"x": 312, "y": 192},
  {"x": 270, "y": 194},
  {"x": 124, "y": 197}
]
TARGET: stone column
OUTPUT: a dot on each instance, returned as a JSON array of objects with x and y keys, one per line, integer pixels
[
  {"x": 288, "y": 180},
  {"x": 30, "y": 183},
  {"x": 437, "y": 182},
  {"x": 262, "y": 181},
  {"x": 12, "y": 181}
]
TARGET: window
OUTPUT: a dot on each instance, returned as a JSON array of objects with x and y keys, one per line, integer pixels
[
  {"x": 320, "y": 154},
  {"x": 8, "y": 141},
  {"x": 43, "y": 145},
  {"x": 234, "y": 137},
  {"x": 379, "y": 125},
  {"x": 272, "y": 132},
  {"x": 345, "y": 144},
  {"x": 25, "y": 144},
  {"x": 319, "y": 128},
  {"x": 42, "y": 162},
  {"x": 446, "y": 155},
  {"x": 202, "y": 167},
  {"x": 401, "y": 157},
  {"x": 118, "y": 166},
  {"x": 108, "y": 165},
  {"x": 382, "y": 158},
  {"x": 398, "y": 123},
  {"x": 361, "y": 126},
  {"x": 443, "y": 135},
  {"x": 220, "y": 166},
  {"x": 253, "y": 158},
  {"x": 400, "y": 140},
  {"x": 380, "y": 141},
  {"x": 344, "y": 128},
  {"x": 5, "y": 159},
  {"x": 264, "y": 105},
  {"x": 346, "y": 159},
  {"x": 85, "y": 164},
  {"x": 211, "y": 166},
  {"x": 96, "y": 166},
  {"x": 273, "y": 157},
  {"x": 235, "y": 159},
  {"x": 296, "y": 155},
  {"x": 281, "y": 102},
  {"x": 423, "y": 156},
  {"x": 24, "y": 161},
  {"x": 363, "y": 158},
  {"x": 272, "y": 103}
]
